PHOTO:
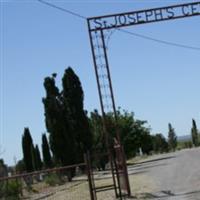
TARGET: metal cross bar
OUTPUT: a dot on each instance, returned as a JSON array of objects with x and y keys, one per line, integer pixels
[{"x": 144, "y": 16}]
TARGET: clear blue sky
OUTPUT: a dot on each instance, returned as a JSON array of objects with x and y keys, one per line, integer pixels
[{"x": 159, "y": 83}]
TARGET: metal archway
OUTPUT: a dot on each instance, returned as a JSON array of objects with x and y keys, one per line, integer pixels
[{"x": 97, "y": 26}]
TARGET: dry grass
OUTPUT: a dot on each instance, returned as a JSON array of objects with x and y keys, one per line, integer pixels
[
  {"x": 74, "y": 190},
  {"x": 141, "y": 186}
]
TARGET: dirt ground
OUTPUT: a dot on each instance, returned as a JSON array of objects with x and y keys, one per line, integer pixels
[
  {"x": 79, "y": 189},
  {"x": 172, "y": 176}
]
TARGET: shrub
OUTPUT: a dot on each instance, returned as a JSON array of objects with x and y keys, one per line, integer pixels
[
  {"x": 188, "y": 144},
  {"x": 11, "y": 190},
  {"x": 52, "y": 180}
]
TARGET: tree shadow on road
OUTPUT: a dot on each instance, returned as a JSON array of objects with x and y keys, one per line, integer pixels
[
  {"x": 138, "y": 168},
  {"x": 165, "y": 194},
  {"x": 150, "y": 161}
]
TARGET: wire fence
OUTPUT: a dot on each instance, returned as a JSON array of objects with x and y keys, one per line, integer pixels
[{"x": 64, "y": 183}]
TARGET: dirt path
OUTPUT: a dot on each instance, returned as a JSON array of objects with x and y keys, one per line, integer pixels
[{"x": 173, "y": 176}]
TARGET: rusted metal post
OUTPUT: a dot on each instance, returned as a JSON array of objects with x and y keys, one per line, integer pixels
[
  {"x": 110, "y": 82},
  {"x": 98, "y": 85},
  {"x": 126, "y": 172},
  {"x": 122, "y": 155},
  {"x": 90, "y": 176},
  {"x": 100, "y": 36}
]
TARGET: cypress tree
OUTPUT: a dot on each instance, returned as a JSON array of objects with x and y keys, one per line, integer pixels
[
  {"x": 38, "y": 158},
  {"x": 73, "y": 98},
  {"x": 27, "y": 145},
  {"x": 34, "y": 160},
  {"x": 172, "y": 138},
  {"x": 52, "y": 110},
  {"x": 57, "y": 123},
  {"x": 194, "y": 133},
  {"x": 66, "y": 121},
  {"x": 46, "y": 152}
]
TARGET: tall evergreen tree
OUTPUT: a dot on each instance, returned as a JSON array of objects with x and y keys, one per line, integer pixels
[
  {"x": 57, "y": 123},
  {"x": 172, "y": 138},
  {"x": 194, "y": 133},
  {"x": 34, "y": 159},
  {"x": 38, "y": 158},
  {"x": 66, "y": 121},
  {"x": 72, "y": 97},
  {"x": 27, "y": 145},
  {"x": 46, "y": 152}
]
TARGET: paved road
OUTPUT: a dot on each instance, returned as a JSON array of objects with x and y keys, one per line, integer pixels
[{"x": 176, "y": 175}]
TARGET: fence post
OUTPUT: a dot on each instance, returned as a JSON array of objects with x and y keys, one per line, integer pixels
[
  {"x": 89, "y": 174},
  {"x": 122, "y": 169},
  {"x": 126, "y": 172}
]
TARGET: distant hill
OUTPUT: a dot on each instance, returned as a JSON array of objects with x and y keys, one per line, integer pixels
[{"x": 184, "y": 138}]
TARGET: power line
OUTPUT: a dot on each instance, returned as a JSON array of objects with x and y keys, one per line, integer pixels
[
  {"x": 160, "y": 41},
  {"x": 122, "y": 30},
  {"x": 61, "y": 9}
]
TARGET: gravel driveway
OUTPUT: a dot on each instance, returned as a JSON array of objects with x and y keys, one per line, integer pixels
[{"x": 172, "y": 176}]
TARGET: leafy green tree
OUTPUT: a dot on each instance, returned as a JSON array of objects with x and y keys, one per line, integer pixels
[
  {"x": 46, "y": 152},
  {"x": 160, "y": 144},
  {"x": 143, "y": 136},
  {"x": 172, "y": 138},
  {"x": 20, "y": 166},
  {"x": 3, "y": 168},
  {"x": 3, "y": 173},
  {"x": 194, "y": 133},
  {"x": 133, "y": 133},
  {"x": 27, "y": 145},
  {"x": 99, "y": 143}
]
